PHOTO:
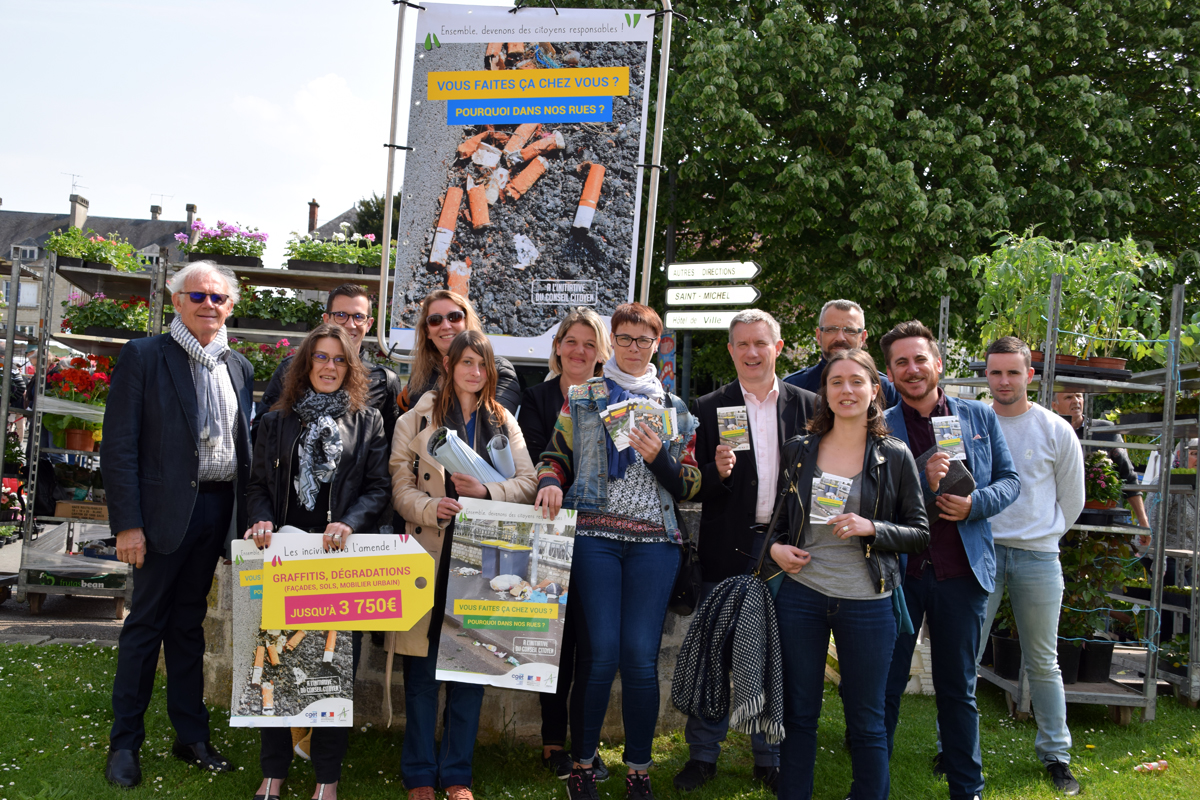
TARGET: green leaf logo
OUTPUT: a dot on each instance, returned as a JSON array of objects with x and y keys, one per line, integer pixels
[
  {"x": 633, "y": 22},
  {"x": 239, "y": 560},
  {"x": 431, "y": 41}
]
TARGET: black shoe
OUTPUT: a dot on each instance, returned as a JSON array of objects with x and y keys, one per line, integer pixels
[
  {"x": 694, "y": 775},
  {"x": 1064, "y": 781},
  {"x": 768, "y": 776},
  {"x": 936, "y": 764},
  {"x": 637, "y": 787},
  {"x": 600, "y": 770},
  {"x": 581, "y": 785},
  {"x": 559, "y": 762},
  {"x": 203, "y": 755},
  {"x": 123, "y": 768}
]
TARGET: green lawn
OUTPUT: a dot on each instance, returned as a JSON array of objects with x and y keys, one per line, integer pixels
[{"x": 55, "y": 716}]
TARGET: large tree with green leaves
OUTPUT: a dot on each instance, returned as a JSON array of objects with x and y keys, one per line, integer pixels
[{"x": 869, "y": 150}]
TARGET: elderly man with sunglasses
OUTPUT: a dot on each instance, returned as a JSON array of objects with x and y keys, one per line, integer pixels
[
  {"x": 841, "y": 325},
  {"x": 179, "y": 393}
]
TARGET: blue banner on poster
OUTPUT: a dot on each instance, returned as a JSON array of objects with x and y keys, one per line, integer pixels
[{"x": 514, "y": 111}]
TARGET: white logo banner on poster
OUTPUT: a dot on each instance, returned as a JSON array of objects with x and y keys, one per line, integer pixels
[
  {"x": 507, "y": 596},
  {"x": 522, "y": 189}
]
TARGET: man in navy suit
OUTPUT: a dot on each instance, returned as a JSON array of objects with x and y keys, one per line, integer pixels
[
  {"x": 947, "y": 585},
  {"x": 841, "y": 325},
  {"x": 179, "y": 393}
]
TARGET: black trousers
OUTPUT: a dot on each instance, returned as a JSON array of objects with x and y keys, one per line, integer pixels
[
  {"x": 554, "y": 705},
  {"x": 328, "y": 750},
  {"x": 169, "y": 604}
]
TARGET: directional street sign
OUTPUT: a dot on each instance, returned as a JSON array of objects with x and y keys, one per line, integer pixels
[
  {"x": 737, "y": 295},
  {"x": 713, "y": 271},
  {"x": 699, "y": 320}
]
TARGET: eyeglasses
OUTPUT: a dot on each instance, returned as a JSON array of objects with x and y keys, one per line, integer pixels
[
  {"x": 199, "y": 297},
  {"x": 836, "y": 329},
  {"x": 433, "y": 320},
  {"x": 322, "y": 358},
  {"x": 341, "y": 317},
  {"x": 643, "y": 343}
]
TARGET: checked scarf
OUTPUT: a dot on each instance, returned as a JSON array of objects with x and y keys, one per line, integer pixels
[
  {"x": 320, "y": 441},
  {"x": 208, "y": 403},
  {"x": 734, "y": 633}
]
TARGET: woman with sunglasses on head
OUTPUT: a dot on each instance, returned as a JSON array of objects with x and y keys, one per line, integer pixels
[
  {"x": 627, "y": 542},
  {"x": 444, "y": 315},
  {"x": 840, "y": 574},
  {"x": 320, "y": 464},
  {"x": 577, "y": 354},
  {"x": 465, "y": 402}
]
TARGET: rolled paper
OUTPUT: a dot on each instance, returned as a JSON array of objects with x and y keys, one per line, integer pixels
[{"x": 502, "y": 457}]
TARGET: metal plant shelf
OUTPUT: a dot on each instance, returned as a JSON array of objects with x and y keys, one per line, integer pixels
[{"x": 113, "y": 284}]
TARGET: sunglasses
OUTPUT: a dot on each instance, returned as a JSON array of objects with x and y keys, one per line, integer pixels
[
  {"x": 199, "y": 297},
  {"x": 321, "y": 358},
  {"x": 433, "y": 320}
]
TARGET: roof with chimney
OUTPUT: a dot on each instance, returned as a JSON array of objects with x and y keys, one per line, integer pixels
[
  {"x": 334, "y": 225},
  {"x": 30, "y": 227}
]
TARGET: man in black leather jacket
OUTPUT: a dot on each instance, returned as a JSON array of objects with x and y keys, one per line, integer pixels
[{"x": 349, "y": 306}]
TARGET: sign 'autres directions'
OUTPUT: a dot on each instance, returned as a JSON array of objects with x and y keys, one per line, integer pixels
[
  {"x": 699, "y": 320},
  {"x": 737, "y": 295},
  {"x": 713, "y": 271}
]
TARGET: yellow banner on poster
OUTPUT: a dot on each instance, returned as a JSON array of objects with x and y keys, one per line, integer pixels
[
  {"x": 486, "y": 84},
  {"x": 338, "y": 591}
]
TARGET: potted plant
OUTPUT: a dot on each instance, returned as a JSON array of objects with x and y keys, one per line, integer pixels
[
  {"x": 275, "y": 310},
  {"x": 1178, "y": 595},
  {"x": 1124, "y": 312},
  {"x": 345, "y": 252},
  {"x": 1006, "y": 646},
  {"x": 1137, "y": 588},
  {"x": 104, "y": 316},
  {"x": 83, "y": 380},
  {"x": 228, "y": 244},
  {"x": 1182, "y": 476},
  {"x": 14, "y": 455},
  {"x": 1015, "y": 287},
  {"x": 1102, "y": 484},
  {"x": 69, "y": 245},
  {"x": 265, "y": 358},
  {"x": 1173, "y": 655},
  {"x": 1093, "y": 564}
]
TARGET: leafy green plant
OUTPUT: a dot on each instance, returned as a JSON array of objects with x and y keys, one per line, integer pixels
[
  {"x": 225, "y": 240},
  {"x": 277, "y": 304},
  {"x": 265, "y": 358},
  {"x": 1093, "y": 564},
  {"x": 14, "y": 453},
  {"x": 1005, "y": 623},
  {"x": 1176, "y": 651},
  {"x": 91, "y": 246},
  {"x": 131, "y": 315},
  {"x": 70, "y": 243},
  {"x": 1102, "y": 484},
  {"x": 346, "y": 247}
]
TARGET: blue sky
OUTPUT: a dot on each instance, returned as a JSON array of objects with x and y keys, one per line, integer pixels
[{"x": 247, "y": 108}]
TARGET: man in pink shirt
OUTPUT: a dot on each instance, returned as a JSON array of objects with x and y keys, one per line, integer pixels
[{"x": 753, "y": 415}]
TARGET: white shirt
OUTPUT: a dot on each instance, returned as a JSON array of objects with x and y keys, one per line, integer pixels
[{"x": 763, "y": 419}]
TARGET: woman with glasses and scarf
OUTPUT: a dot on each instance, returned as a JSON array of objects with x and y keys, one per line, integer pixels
[
  {"x": 444, "y": 315},
  {"x": 627, "y": 541},
  {"x": 321, "y": 465},
  {"x": 465, "y": 402}
]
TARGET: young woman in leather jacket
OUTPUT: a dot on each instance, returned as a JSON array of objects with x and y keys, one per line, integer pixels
[
  {"x": 841, "y": 574},
  {"x": 320, "y": 464}
]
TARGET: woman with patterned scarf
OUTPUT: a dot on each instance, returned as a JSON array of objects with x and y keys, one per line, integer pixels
[
  {"x": 425, "y": 496},
  {"x": 320, "y": 464},
  {"x": 627, "y": 541}
]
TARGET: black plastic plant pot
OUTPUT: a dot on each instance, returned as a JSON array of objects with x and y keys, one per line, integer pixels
[
  {"x": 228, "y": 261},
  {"x": 1095, "y": 663},
  {"x": 1069, "y": 653},
  {"x": 322, "y": 266},
  {"x": 1006, "y": 653}
]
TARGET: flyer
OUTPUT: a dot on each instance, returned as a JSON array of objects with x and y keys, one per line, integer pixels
[
  {"x": 283, "y": 677},
  {"x": 378, "y": 583},
  {"x": 732, "y": 422},
  {"x": 829, "y": 495},
  {"x": 948, "y": 432},
  {"x": 619, "y": 418},
  {"x": 523, "y": 186},
  {"x": 507, "y": 596}
]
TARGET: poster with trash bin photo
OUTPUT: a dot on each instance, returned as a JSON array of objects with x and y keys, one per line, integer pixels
[
  {"x": 506, "y": 600},
  {"x": 522, "y": 189},
  {"x": 284, "y": 678}
]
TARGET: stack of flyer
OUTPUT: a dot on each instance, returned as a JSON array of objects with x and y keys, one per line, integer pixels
[{"x": 620, "y": 418}]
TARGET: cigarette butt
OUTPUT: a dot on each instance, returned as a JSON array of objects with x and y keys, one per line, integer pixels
[
  {"x": 493, "y": 57},
  {"x": 459, "y": 274},
  {"x": 259, "y": 652},
  {"x": 268, "y": 694},
  {"x": 525, "y": 179},
  {"x": 440, "y": 252},
  {"x": 273, "y": 655},
  {"x": 515, "y": 48},
  {"x": 486, "y": 156},
  {"x": 468, "y": 148},
  {"x": 546, "y": 144},
  {"x": 495, "y": 185},
  {"x": 528, "y": 63},
  {"x": 296, "y": 639},
  {"x": 591, "y": 196},
  {"x": 519, "y": 137},
  {"x": 477, "y": 200},
  {"x": 330, "y": 643}
]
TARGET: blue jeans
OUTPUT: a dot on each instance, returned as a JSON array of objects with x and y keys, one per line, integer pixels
[
  {"x": 954, "y": 609},
  {"x": 864, "y": 631},
  {"x": 420, "y": 762},
  {"x": 622, "y": 589},
  {"x": 704, "y": 736},
  {"x": 1035, "y": 587}
]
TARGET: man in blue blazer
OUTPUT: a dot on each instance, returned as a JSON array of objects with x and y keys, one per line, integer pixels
[
  {"x": 948, "y": 584},
  {"x": 179, "y": 393}
]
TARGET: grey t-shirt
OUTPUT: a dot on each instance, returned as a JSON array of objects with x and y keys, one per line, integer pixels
[{"x": 838, "y": 568}]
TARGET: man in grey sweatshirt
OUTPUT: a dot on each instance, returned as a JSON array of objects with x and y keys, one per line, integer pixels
[{"x": 1050, "y": 462}]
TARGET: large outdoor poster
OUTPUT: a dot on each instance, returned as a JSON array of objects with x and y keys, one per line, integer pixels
[
  {"x": 507, "y": 597},
  {"x": 523, "y": 186}
]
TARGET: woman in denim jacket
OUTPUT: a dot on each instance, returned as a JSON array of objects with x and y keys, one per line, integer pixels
[{"x": 627, "y": 540}]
